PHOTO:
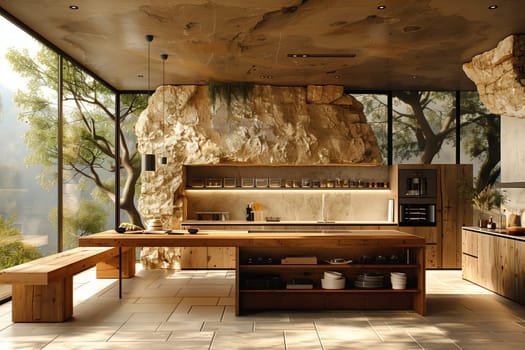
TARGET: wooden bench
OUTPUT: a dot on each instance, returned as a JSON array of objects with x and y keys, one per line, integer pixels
[{"x": 43, "y": 288}]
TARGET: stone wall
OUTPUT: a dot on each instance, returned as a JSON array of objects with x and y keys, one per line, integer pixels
[
  {"x": 272, "y": 125},
  {"x": 499, "y": 75}
]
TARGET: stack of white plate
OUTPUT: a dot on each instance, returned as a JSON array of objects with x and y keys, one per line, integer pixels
[
  {"x": 333, "y": 280},
  {"x": 369, "y": 281},
  {"x": 398, "y": 280}
]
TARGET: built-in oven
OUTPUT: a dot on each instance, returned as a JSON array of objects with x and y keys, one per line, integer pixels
[
  {"x": 417, "y": 197},
  {"x": 417, "y": 215}
]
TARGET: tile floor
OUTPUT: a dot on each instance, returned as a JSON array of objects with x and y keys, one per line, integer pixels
[{"x": 194, "y": 310}]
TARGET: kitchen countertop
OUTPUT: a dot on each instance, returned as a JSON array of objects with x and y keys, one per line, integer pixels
[
  {"x": 495, "y": 232},
  {"x": 288, "y": 223}
]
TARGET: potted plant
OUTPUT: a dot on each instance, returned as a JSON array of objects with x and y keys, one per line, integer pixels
[{"x": 486, "y": 200}]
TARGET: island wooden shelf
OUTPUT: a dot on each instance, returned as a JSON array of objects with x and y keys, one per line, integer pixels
[
  {"x": 333, "y": 291},
  {"x": 277, "y": 245},
  {"x": 358, "y": 267}
]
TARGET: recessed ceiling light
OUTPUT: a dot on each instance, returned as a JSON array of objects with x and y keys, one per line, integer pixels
[
  {"x": 73, "y": 7},
  {"x": 321, "y": 55},
  {"x": 493, "y": 7},
  {"x": 381, "y": 7}
]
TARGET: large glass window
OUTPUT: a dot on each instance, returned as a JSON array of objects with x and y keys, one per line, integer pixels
[
  {"x": 480, "y": 139},
  {"x": 375, "y": 108},
  {"x": 28, "y": 125},
  {"x": 424, "y": 127},
  {"x": 130, "y": 162},
  {"x": 88, "y": 155}
]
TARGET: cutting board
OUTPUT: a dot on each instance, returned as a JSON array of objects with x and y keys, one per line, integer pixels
[{"x": 516, "y": 230}]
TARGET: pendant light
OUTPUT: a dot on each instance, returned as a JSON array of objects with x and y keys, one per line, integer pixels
[
  {"x": 163, "y": 57},
  {"x": 148, "y": 161}
]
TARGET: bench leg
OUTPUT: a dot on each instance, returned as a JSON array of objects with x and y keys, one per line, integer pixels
[
  {"x": 43, "y": 303},
  {"x": 109, "y": 268}
]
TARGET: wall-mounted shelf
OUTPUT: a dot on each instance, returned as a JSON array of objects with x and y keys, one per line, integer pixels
[
  {"x": 519, "y": 184},
  {"x": 196, "y": 189}
]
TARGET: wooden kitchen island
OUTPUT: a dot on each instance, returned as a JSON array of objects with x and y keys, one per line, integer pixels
[{"x": 261, "y": 278}]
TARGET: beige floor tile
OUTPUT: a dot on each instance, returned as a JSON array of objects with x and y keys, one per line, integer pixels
[
  {"x": 140, "y": 336},
  {"x": 262, "y": 325},
  {"x": 182, "y": 326},
  {"x": 89, "y": 334},
  {"x": 228, "y": 326},
  {"x": 460, "y": 316},
  {"x": 130, "y": 345},
  {"x": 186, "y": 303},
  {"x": 21, "y": 345},
  {"x": 302, "y": 340},
  {"x": 204, "y": 291},
  {"x": 159, "y": 300},
  {"x": 185, "y": 339},
  {"x": 248, "y": 340},
  {"x": 344, "y": 345}
]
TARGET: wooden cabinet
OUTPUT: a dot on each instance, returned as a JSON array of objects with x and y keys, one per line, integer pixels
[
  {"x": 274, "y": 276},
  {"x": 495, "y": 261},
  {"x": 208, "y": 257},
  {"x": 350, "y": 201},
  {"x": 453, "y": 211}
]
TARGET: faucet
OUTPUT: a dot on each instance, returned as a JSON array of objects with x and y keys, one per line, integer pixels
[{"x": 323, "y": 213}]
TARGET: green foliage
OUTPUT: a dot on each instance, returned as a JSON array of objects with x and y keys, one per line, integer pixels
[
  {"x": 481, "y": 138},
  {"x": 89, "y": 128},
  {"x": 228, "y": 92},
  {"x": 16, "y": 253},
  {"x": 90, "y": 218},
  {"x": 375, "y": 109},
  {"x": 7, "y": 228},
  {"x": 12, "y": 250},
  {"x": 423, "y": 122},
  {"x": 486, "y": 199}
]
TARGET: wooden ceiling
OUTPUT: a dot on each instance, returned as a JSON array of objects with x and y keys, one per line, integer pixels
[{"x": 411, "y": 44}]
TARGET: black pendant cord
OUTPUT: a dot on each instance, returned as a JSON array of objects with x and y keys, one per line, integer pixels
[{"x": 149, "y": 158}]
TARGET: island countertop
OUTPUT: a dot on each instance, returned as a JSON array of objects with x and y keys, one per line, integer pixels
[{"x": 238, "y": 238}]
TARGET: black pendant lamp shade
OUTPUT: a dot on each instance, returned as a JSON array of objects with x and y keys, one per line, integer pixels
[
  {"x": 148, "y": 162},
  {"x": 148, "y": 159}
]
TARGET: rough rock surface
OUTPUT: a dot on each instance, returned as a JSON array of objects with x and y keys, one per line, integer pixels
[
  {"x": 499, "y": 75},
  {"x": 272, "y": 125}
]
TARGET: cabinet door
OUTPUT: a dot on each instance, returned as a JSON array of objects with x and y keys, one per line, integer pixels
[
  {"x": 221, "y": 257},
  {"x": 433, "y": 248},
  {"x": 520, "y": 272},
  {"x": 194, "y": 258},
  {"x": 470, "y": 243},
  {"x": 456, "y": 211}
]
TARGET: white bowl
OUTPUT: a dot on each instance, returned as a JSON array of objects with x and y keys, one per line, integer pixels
[
  {"x": 396, "y": 278},
  {"x": 332, "y": 275},
  {"x": 398, "y": 274},
  {"x": 333, "y": 283}
]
